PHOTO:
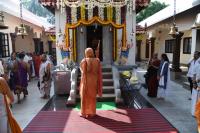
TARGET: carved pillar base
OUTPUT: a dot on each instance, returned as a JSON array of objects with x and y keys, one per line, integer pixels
[{"x": 174, "y": 75}]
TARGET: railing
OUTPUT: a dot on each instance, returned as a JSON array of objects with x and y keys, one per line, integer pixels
[{"x": 72, "y": 95}]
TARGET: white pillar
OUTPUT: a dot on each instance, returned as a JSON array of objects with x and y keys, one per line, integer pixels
[
  {"x": 131, "y": 24},
  {"x": 59, "y": 23},
  {"x": 194, "y": 39}
]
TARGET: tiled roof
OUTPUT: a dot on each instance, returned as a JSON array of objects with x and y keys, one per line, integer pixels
[{"x": 140, "y": 29}]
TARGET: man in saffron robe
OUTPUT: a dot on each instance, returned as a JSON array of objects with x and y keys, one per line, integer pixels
[{"x": 91, "y": 83}]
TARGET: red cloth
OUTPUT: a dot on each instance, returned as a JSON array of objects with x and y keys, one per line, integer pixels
[{"x": 37, "y": 62}]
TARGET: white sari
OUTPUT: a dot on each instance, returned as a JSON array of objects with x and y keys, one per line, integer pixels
[{"x": 162, "y": 92}]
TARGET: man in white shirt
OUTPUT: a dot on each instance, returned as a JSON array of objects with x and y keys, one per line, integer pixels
[
  {"x": 191, "y": 66},
  {"x": 196, "y": 78}
]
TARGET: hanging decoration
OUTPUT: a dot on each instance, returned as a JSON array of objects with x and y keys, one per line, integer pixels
[
  {"x": 21, "y": 29},
  {"x": 74, "y": 14},
  {"x": 101, "y": 13},
  {"x": 83, "y": 12},
  {"x": 96, "y": 20},
  {"x": 90, "y": 13},
  {"x": 130, "y": 6},
  {"x": 104, "y": 12},
  {"x": 92, "y": 3},
  {"x": 118, "y": 15}
]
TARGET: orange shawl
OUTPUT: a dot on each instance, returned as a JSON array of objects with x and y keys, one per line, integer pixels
[{"x": 15, "y": 128}]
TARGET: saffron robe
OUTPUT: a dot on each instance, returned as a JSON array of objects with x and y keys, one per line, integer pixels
[{"x": 91, "y": 85}]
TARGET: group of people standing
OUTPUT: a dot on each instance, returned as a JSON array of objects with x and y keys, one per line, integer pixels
[
  {"x": 21, "y": 67},
  {"x": 194, "y": 78},
  {"x": 157, "y": 76},
  {"x": 14, "y": 77}
]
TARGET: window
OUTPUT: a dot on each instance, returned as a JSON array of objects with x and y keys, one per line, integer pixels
[
  {"x": 169, "y": 45},
  {"x": 4, "y": 45},
  {"x": 187, "y": 42}
]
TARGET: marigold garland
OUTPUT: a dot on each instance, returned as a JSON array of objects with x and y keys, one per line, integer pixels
[{"x": 98, "y": 20}]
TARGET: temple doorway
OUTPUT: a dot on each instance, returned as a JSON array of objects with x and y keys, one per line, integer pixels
[{"x": 94, "y": 38}]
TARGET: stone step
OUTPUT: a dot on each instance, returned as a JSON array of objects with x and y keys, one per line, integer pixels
[
  {"x": 104, "y": 98},
  {"x": 106, "y": 69},
  {"x": 106, "y": 90},
  {"x": 103, "y": 74},
  {"x": 107, "y": 75},
  {"x": 106, "y": 82}
]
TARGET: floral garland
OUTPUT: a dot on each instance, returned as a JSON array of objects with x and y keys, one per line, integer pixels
[
  {"x": 90, "y": 14},
  {"x": 101, "y": 13},
  {"x": 82, "y": 12},
  {"x": 92, "y": 3},
  {"x": 130, "y": 6},
  {"x": 74, "y": 15},
  {"x": 118, "y": 15}
]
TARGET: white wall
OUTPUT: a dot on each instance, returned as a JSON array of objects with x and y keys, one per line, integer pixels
[
  {"x": 184, "y": 22},
  {"x": 26, "y": 44}
]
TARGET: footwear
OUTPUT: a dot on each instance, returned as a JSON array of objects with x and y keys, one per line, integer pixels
[{"x": 189, "y": 98}]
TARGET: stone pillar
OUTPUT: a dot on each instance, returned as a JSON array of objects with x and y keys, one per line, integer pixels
[
  {"x": 175, "y": 71},
  {"x": 138, "y": 43},
  {"x": 37, "y": 45},
  {"x": 81, "y": 43},
  {"x": 176, "y": 53},
  {"x": 107, "y": 46},
  {"x": 13, "y": 39},
  {"x": 194, "y": 40},
  {"x": 152, "y": 43}
]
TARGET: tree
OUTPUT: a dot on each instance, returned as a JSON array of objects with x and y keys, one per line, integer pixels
[
  {"x": 34, "y": 7},
  {"x": 153, "y": 7}
]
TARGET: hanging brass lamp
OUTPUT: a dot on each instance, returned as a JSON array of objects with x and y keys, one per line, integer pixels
[
  {"x": 21, "y": 28},
  {"x": 173, "y": 30},
  {"x": 2, "y": 25}
]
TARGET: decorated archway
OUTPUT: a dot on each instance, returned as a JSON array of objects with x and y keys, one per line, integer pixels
[{"x": 89, "y": 22}]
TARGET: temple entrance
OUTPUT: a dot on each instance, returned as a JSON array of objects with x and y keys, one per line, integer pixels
[{"x": 94, "y": 38}]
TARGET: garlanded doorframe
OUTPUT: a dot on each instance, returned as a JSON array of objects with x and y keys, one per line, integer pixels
[{"x": 86, "y": 13}]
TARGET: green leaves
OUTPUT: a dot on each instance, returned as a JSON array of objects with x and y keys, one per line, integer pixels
[
  {"x": 150, "y": 10},
  {"x": 37, "y": 9}
]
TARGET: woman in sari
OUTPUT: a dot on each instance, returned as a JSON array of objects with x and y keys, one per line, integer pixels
[
  {"x": 21, "y": 69},
  {"x": 163, "y": 76},
  {"x": 152, "y": 81},
  {"x": 91, "y": 83},
  {"x": 4, "y": 91}
]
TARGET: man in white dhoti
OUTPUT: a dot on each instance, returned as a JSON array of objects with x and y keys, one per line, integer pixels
[
  {"x": 191, "y": 66},
  {"x": 196, "y": 79},
  {"x": 45, "y": 77}
]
